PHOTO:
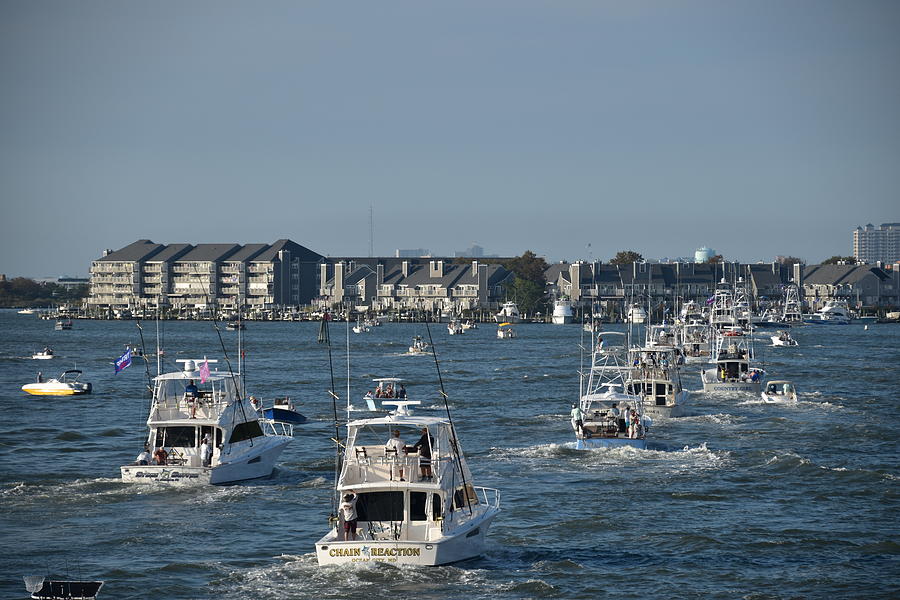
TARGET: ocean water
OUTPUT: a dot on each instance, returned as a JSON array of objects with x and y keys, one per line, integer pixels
[{"x": 740, "y": 499}]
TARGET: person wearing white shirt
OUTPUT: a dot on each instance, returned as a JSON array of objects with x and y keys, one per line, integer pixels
[
  {"x": 348, "y": 512},
  {"x": 205, "y": 451},
  {"x": 144, "y": 457},
  {"x": 396, "y": 446}
]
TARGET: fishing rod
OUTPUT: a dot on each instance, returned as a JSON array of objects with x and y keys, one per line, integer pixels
[
  {"x": 325, "y": 338},
  {"x": 234, "y": 381},
  {"x": 453, "y": 442}
]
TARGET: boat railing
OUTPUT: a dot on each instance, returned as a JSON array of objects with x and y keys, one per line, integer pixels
[
  {"x": 373, "y": 464},
  {"x": 273, "y": 427},
  {"x": 489, "y": 496},
  {"x": 186, "y": 407}
]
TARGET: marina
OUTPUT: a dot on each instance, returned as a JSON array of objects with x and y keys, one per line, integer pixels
[{"x": 511, "y": 407}]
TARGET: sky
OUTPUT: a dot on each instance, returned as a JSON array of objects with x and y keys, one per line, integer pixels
[{"x": 574, "y": 129}]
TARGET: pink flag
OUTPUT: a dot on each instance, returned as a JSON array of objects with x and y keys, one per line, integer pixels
[{"x": 204, "y": 371}]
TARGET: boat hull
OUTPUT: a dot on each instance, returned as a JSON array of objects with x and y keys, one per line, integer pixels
[
  {"x": 667, "y": 411},
  {"x": 609, "y": 442},
  {"x": 249, "y": 466},
  {"x": 39, "y": 389},
  {"x": 752, "y": 387},
  {"x": 468, "y": 542},
  {"x": 284, "y": 415}
]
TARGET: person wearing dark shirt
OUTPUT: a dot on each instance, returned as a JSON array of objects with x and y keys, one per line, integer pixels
[{"x": 423, "y": 446}]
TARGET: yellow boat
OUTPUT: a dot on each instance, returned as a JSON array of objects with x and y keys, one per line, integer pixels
[{"x": 66, "y": 384}]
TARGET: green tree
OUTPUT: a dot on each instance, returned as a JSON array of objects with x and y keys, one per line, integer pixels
[
  {"x": 850, "y": 260},
  {"x": 528, "y": 295},
  {"x": 529, "y": 266},
  {"x": 626, "y": 257}
]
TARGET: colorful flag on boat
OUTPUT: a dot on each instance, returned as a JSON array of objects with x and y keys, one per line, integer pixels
[
  {"x": 124, "y": 361},
  {"x": 204, "y": 371},
  {"x": 710, "y": 300}
]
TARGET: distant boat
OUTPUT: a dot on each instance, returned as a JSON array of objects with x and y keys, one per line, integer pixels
[
  {"x": 283, "y": 411},
  {"x": 26, "y": 311},
  {"x": 505, "y": 331},
  {"x": 562, "y": 312},
  {"x": 63, "y": 325},
  {"x": 509, "y": 313},
  {"x": 45, "y": 354},
  {"x": 50, "y": 589},
  {"x": 779, "y": 391},
  {"x": 419, "y": 346}
]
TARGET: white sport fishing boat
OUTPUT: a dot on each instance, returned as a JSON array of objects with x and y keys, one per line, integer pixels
[
  {"x": 609, "y": 416},
  {"x": 656, "y": 379},
  {"x": 562, "y": 312},
  {"x": 240, "y": 445},
  {"x": 509, "y": 312},
  {"x": 731, "y": 370},
  {"x": 413, "y": 505},
  {"x": 779, "y": 391},
  {"x": 835, "y": 312},
  {"x": 636, "y": 314},
  {"x": 783, "y": 338}
]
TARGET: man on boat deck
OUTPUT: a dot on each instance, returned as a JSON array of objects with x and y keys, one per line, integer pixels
[
  {"x": 160, "y": 456},
  {"x": 348, "y": 511},
  {"x": 190, "y": 390},
  {"x": 577, "y": 418},
  {"x": 423, "y": 446},
  {"x": 396, "y": 446}
]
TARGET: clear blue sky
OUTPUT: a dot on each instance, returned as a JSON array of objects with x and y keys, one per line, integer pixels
[{"x": 754, "y": 127}]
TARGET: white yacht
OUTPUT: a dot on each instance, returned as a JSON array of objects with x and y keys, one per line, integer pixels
[
  {"x": 636, "y": 314},
  {"x": 242, "y": 445},
  {"x": 605, "y": 407},
  {"x": 414, "y": 504},
  {"x": 66, "y": 384},
  {"x": 562, "y": 312},
  {"x": 779, "y": 391},
  {"x": 509, "y": 313},
  {"x": 731, "y": 370},
  {"x": 656, "y": 379},
  {"x": 783, "y": 338},
  {"x": 835, "y": 312}
]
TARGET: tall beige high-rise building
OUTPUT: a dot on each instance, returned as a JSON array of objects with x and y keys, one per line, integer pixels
[{"x": 873, "y": 245}]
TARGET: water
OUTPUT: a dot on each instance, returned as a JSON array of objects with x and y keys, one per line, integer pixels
[{"x": 739, "y": 499}]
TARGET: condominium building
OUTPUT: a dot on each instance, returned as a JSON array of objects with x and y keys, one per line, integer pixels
[
  {"x": 871, "y": 245},
  {"x": 145, "y": 275}
]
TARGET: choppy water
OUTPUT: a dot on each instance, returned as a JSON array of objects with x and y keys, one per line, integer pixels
[{"x": 740, "y": 499}]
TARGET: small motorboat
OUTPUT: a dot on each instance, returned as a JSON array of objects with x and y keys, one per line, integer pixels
[
  {"x": 26, "y": 311},
  {"x": 783, "y": 338},
  {"x": 455, "y": 328},
  {"x": 45, "y": 354},
  {"x": 360, "y": 327},
  {"x": 283, "y": 411},
  {"x": 419, "y": 346},
  {"x": 779, "y": 391},
  {"x": 505, "y": 331},
  {"x": 235, "y": 326},
  {"x": 63, "y": 325},
  {"x": 50, "y": 589},
  {"x": 66, "y": 384}
]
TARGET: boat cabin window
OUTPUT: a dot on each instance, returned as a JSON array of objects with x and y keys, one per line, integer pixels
[
  {"x": 245, "y": 431},
  {"x": 380, "y": 506},
  {"x": 417, "y": 506},
  {"x": 436, "y": 506},
  {"x": 183, "y": 437}
]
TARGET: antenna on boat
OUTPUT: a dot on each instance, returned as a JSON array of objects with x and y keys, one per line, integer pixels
[{"x": 453, "y": 442}]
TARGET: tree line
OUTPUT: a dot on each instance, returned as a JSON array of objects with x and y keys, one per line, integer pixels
[{"x": 21, "y": 291}]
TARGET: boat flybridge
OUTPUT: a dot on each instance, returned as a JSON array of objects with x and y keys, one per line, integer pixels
[
  {"x": 414, "y": 505},
  {"x": 241, "y": 445},
  {"x": 606, "y": 409},
  {"x": 731, "y": 370},
  {"x": 655, "y": 377}
]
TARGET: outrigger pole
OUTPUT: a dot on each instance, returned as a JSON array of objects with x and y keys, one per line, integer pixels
[{"x": 462, "y": 473}]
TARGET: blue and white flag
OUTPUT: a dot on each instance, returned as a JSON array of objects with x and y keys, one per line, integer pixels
[{"x": 124, "y": 361}]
